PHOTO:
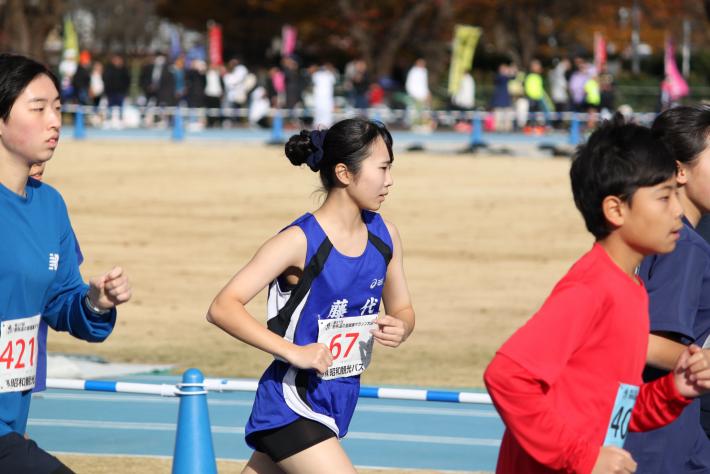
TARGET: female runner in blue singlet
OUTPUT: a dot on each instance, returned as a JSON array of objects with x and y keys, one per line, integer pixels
[{"x": 327, "y": 273}]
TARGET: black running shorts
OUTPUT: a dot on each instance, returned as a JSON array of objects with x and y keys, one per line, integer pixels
[{"x": 285, "y": 441}]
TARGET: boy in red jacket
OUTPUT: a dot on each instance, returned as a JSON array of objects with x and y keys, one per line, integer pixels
[{"x": 568, "y": 383}]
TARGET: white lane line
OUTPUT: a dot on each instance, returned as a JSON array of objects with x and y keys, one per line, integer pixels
[
  {"x": 362, "y": 407},
  {"x": 391, "y": 437}
]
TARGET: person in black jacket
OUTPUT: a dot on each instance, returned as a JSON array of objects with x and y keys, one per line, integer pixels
[{"x": 116, "y": 84}]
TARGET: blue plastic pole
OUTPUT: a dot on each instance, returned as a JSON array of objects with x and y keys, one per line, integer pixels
[
  {"x": 178, "y": 125},
  {"x": 277, "y": 129},
  {"x": 476, "y": 133},
  {"x": 79, "y": 130},
  {"x": 193, "y": 442},
  {"x": 377, "y": 115},
  {"x": 574, "y": 137}
]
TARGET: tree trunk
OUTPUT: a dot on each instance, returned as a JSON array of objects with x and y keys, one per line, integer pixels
[
  {"x": 17, "y": 34},
  {"x": 360, "y": 35},
  {"x": 26, "y": 27},
  {"x": 400, "y": 33},
  {"x": 438, "y": 52},
  {"x": 382, "y": 56}
]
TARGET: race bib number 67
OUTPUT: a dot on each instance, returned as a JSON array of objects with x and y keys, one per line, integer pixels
[
  {"x": 621, "y": 415},
  {"x": 18, "y": 354},
  {"x": 350, "y": 343}
]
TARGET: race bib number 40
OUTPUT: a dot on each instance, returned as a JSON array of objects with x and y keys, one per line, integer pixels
[
  {"x": 621, "y": 415},
  {"x": 350, "y": 342},
  {"x": 18, "y": 354}
]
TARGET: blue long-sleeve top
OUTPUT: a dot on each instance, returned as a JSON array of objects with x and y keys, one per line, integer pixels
[{"x": 39, "y": 274}]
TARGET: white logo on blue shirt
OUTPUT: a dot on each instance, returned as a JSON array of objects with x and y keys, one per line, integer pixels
[
  {"x": 53, "y": 261},
  {"x": 376, "y": 282}
]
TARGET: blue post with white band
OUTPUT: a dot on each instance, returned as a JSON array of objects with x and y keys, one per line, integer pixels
[
  {"x": 79, "y": 130},
  {"x": 193, "y": 442},
  {"x": 277, "y": 129},
  {"x": 178, "y": 134}
]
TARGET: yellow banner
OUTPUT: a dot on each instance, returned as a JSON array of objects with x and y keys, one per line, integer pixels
[
  {"x": 465, "y": 41},
  {"x": 71, "y": 40}
]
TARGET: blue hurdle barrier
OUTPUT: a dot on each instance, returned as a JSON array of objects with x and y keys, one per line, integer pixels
[
  {"x": 250, "y": 385},
  {"x": 194, "y": 451},
  {"x": 474, "y": 140}
]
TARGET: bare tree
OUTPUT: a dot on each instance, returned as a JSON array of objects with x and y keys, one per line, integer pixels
[
  {"x": 126, "y": 26},
  {"x": 27, "y": 23},
  {"x": 380, "y": 41}
]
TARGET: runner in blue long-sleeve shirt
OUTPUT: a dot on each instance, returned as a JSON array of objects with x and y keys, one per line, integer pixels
[{"x": 39, "y": 271}]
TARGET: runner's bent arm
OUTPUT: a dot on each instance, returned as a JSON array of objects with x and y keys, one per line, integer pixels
[
  {"x": 674, "y": 283},
  {"x": 398, "y": 322},
  {"x": 664, "y": 350},
  {"x": 65, "y": 309},
  {"x": 285, "y": 250}
]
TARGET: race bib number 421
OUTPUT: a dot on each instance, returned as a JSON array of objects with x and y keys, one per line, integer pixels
[
  {"x": 18, "y": 354},
  {"x": 621, "y": 415},
  {"x": 350, "y": 343}
]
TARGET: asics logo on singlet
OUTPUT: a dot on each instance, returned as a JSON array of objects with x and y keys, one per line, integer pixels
[
  {"x": 377, "y": 282},
  {"x": 53, "y": 261}
]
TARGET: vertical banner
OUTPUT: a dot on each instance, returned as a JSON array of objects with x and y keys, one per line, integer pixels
[
  {"x": 465, "y": 41},
  {"x": 288, "y": 40},
  {"x": 674, "y": 82},
  {"x": 214, "y": 33},
  {"x": 71, "y": 40},
  {"x": 70, "y": 56},
  {"x": 599, "y": 52}
]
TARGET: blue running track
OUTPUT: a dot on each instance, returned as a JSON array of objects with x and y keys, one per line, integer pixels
[{"x": 383, "y": 433}]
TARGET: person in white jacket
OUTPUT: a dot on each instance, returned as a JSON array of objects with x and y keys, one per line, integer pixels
[{"x": 417, "y": 87}]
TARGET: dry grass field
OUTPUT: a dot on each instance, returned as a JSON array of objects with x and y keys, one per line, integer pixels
[
  {"x": 485, "y": 238},
  {"x": 108, "y": 465}
]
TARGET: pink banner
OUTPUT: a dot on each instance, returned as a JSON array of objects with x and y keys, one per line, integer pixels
[
  {"x": 599, "y": 52},
  {"x": 288, "y": 40},
  {"x": 674, "y": 84},
  {"x": 215, "y": 43}
]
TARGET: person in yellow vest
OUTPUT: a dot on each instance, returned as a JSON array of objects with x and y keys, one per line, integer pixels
[
  {"x": 592, "y": 99},
  {"x": 537, "y": 97}
]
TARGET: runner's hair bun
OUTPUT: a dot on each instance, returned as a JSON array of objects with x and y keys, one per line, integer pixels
[{"x": 298, "y": 148}]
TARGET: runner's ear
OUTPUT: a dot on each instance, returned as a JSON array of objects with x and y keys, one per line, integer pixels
[{"x": 342, "y": 173}]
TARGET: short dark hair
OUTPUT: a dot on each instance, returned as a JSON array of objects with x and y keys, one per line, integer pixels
[
  {"x": 617, "y": 159},
  {"x": 348, "y": 142},
  {"x": 684, "y": 130},
  {"x": 17, "y": 72}
]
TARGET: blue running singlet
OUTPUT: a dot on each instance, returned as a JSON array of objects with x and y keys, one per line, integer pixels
[{"x": 333, "y": 287}]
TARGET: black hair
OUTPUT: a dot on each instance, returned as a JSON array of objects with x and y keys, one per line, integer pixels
[
  {"x": 618, "y": 159},
  {"x": 17, "y": 72},
  {"x": 684, "y": 130},
  {"x": 348, "y": 142}
]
